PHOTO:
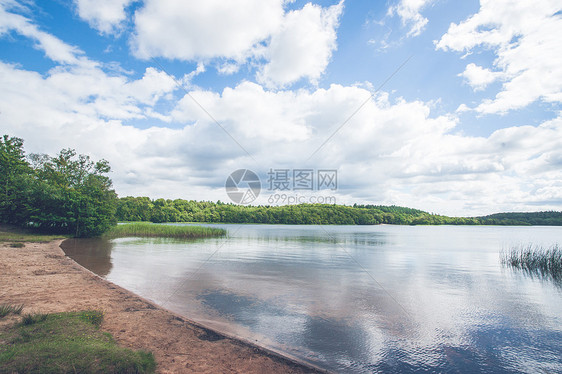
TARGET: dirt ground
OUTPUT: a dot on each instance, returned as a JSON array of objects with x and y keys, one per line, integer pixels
[{"x": 42, "y": 278}]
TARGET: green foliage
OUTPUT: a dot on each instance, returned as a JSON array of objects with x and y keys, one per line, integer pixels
[
  {"x": 14, "y": 172},
  {"x": 522, "y": 219},
  {"x": 144, "y": 209},
  {"x": 67, "y": 194},
  {"x": 6, "y": 309},
  {"x": 67, "y": 343},
  {"x": 164, "y": 231}
]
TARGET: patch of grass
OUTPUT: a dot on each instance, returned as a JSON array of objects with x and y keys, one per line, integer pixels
[
  {"x": 163, "y": 231},
  {"x": 17, "y": 238},
  {"x": 30, "y": 319},
  {"x": 6, "y": 309},
  {"x": 67, "y": 343},
  {"x": 536, "y": 260}
]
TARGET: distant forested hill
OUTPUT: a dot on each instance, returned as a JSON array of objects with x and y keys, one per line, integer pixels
[
  {"x": 161, "y": 210},
  {"x": 535, "y": 218}
]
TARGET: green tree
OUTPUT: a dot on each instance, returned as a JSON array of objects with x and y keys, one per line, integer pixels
[
  {"x": 14, "y": 177},
  {"x": 72, "y": 194}
]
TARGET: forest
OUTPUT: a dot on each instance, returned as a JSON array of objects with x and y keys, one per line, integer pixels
[
  {"x": 179, "y": 210},
  {"x": 71, "y": 194}
]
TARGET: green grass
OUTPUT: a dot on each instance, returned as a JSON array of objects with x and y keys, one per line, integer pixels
[
  {"x": 17, "y": 237},
  {"x": 163, "y": 231},
  {"x": 67, "y": 343},
  {"x": 6, "y": 309},
  {"x": 536, "y": 260}
]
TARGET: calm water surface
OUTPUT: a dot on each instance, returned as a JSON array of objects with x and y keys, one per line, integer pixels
[{"x": 355, "y": 298}]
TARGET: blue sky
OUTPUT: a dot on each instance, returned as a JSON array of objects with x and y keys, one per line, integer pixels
[{"x": 469, "y": 125}]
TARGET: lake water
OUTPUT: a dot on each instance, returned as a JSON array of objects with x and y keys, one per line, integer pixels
[{"x": 355, "y": 298}]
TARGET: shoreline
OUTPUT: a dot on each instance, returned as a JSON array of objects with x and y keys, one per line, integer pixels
[{"x": 45, "y": 280}]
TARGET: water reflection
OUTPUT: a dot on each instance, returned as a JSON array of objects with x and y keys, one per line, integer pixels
[
  {"x": 93, "y": 254},
  {"x": 423, "y": 299}
]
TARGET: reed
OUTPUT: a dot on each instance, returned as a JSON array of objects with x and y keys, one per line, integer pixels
[
  {"x": 143, "y": 229},
  {"x": 536, "y": 259}
]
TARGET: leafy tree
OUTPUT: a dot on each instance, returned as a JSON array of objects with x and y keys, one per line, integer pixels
[
  {"x": 73, "y": 194},
  {"x": 68, "y": 193},
  {"x": 14, "y": 173}
]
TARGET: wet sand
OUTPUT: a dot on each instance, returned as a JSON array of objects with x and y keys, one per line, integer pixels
[{"x": 42, "y": 278}]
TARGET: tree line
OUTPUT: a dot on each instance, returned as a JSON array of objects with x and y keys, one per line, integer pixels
[
  {"x": 71, "y": 194},
  {"x": 179, "y": 210}
]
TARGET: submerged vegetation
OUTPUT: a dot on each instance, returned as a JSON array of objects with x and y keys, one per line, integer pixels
[
  {"x": 67, "y": 343},
  {"x": 536, "y": 260},
  {"x": 143, "y": 229}
]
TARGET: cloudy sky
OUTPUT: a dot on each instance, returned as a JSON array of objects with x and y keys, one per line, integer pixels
[{"x": 448, "y": 106}]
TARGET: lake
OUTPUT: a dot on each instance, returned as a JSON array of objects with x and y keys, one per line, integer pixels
[{"x": 355, "y": 298}]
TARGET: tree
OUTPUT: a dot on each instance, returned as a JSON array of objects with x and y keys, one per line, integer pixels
[
  {"x": 68, "y": 193},
  {"x": 73, "y": 194},
  {"x": 14, "y": 171}
]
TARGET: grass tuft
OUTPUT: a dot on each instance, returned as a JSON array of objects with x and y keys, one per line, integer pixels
[
  {"x": 143, "y": 229},
  {"x": 67, "y": 343},
  {"x": 30, "y": 319},
  {"x": 6, "y": 309},
  {"x": 546, "y": 262}
]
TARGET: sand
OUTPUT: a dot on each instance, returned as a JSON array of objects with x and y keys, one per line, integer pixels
[{"x": 42, "y": 278}]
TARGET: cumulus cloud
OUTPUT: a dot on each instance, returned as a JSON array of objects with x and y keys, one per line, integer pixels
[
  {"x": 103, "y": 15},
  {"x": 302, "y": 46},
  {"x": 524, "y": 37},
  {"x": 194, "y": 30},
  {"x": 409, "y": 12},
  {"x": 424, "y": 165},
  {"x": 393, "y": 151},
  {"x": 478, "y": 77},
  {"x": 285, "y": 46}
]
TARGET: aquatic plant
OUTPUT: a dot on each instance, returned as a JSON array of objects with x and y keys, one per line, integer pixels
[
  {"x": 143, "y": 229},
  {"x": 535, "y": 260}
]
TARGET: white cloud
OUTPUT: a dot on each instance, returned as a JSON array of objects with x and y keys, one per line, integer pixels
[
  {"x": 478, "y": 77},
  {"x": 302, "y": 46},
  {"x": 195, "y": 30},
  {"x": 390, "y": 152},
  {"x": 409, "y": 12},
  {"x": 103, "y": 15},
  {"x": 54, "y": 48},
  {"x": 524, "y": 36},
  {"x": 284, "y": 47}
]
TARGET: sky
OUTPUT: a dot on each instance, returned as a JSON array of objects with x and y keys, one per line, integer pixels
[{"x": 452, "y": 107}]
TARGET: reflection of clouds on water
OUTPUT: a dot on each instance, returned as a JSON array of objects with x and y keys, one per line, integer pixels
[{"x": 434, "y": 298}]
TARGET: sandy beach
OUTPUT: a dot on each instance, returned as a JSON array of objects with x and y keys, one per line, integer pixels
[{"x": 42, "y": 278}]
